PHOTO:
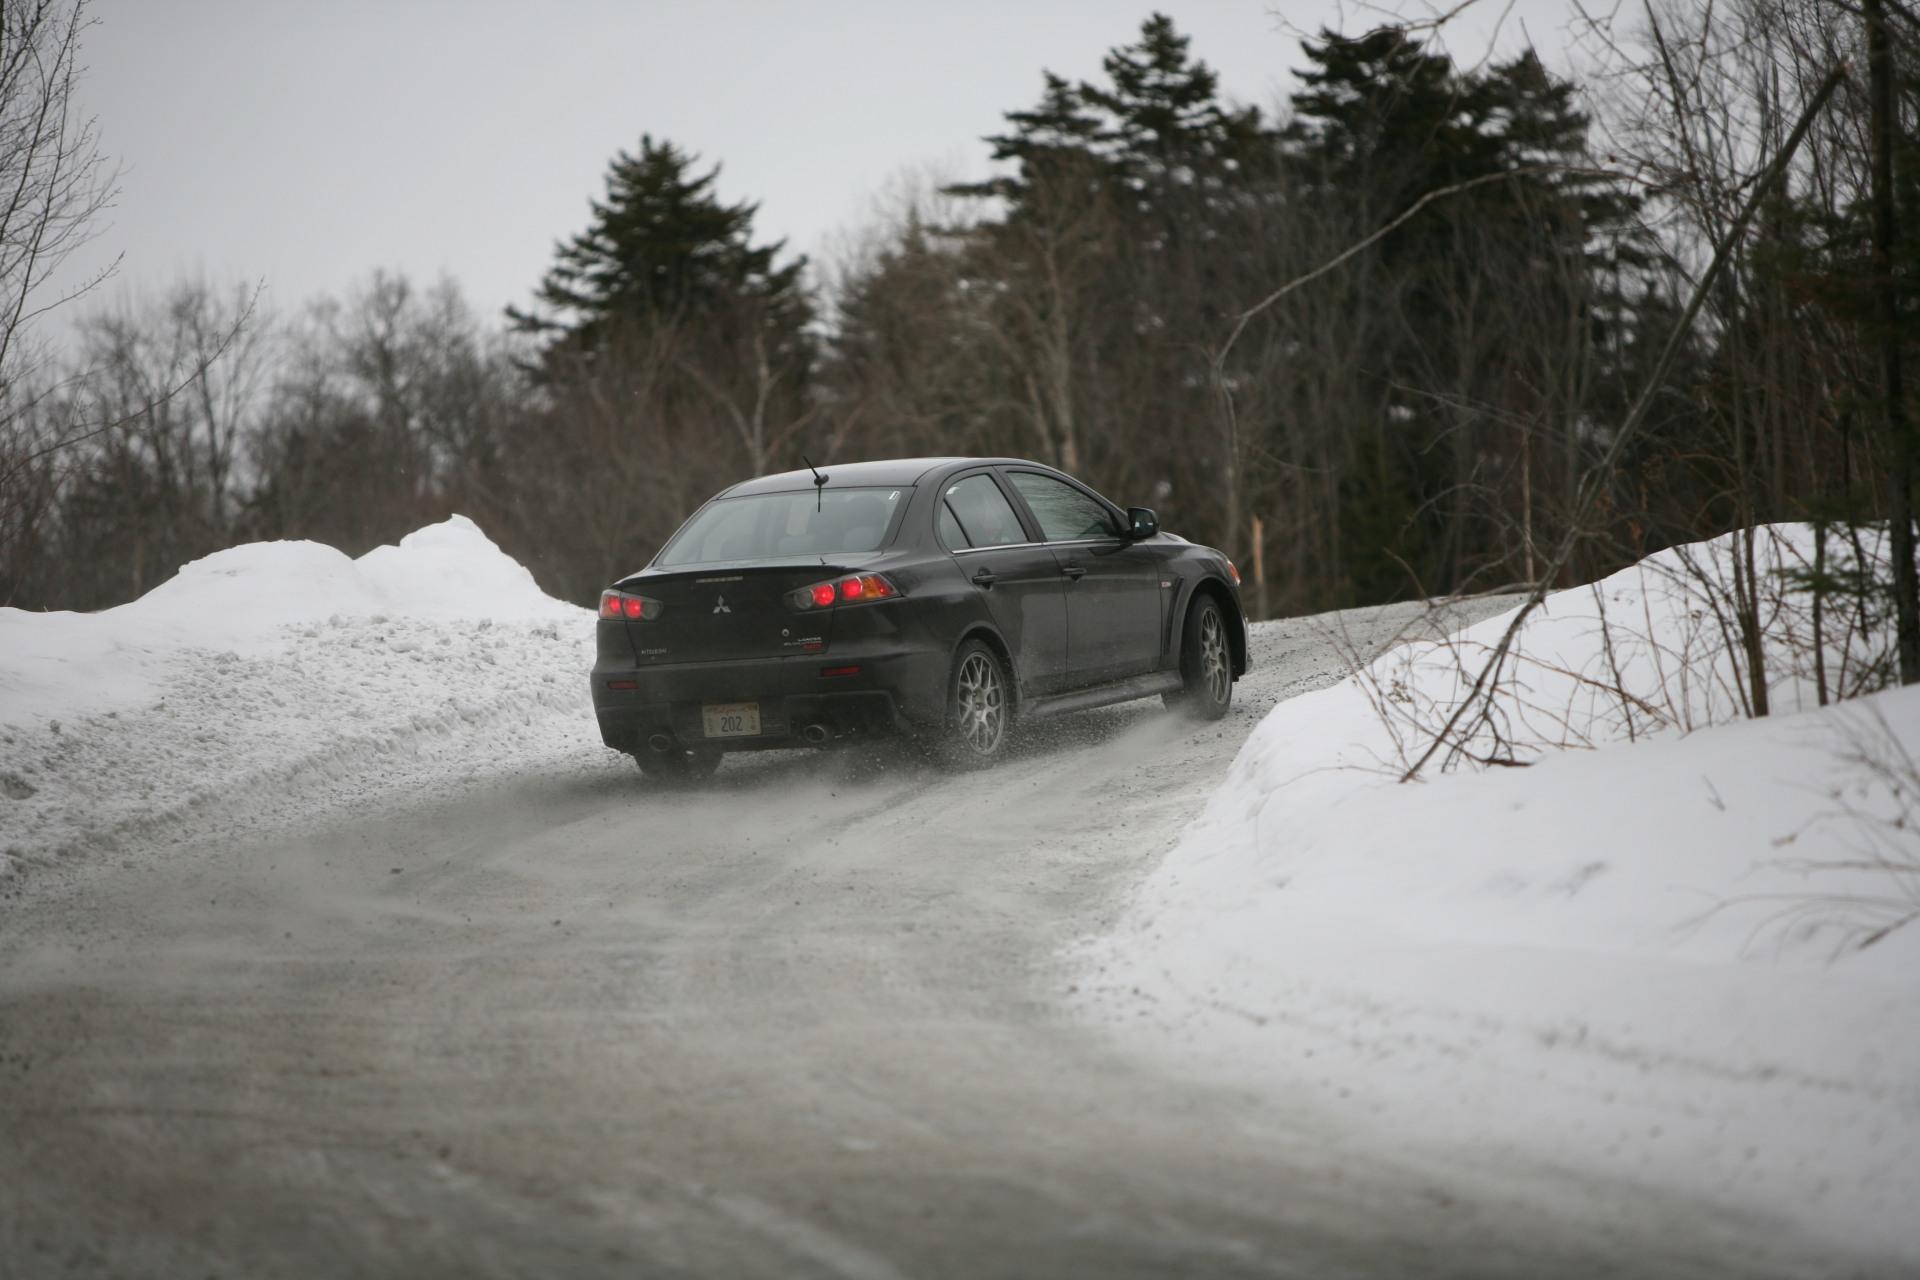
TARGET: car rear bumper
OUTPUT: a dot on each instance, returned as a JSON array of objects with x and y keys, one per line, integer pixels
[{"x": 799, "y": 704}]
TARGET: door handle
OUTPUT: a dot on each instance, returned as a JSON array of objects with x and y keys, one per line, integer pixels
[
  {"x": 985, "y": 578},
  {"x": 1075, "y": 572}
]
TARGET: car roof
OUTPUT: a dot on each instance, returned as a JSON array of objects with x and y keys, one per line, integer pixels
[{"x": 846, "y": 475}]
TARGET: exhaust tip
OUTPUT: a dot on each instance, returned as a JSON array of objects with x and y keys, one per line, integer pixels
[
  {"x": 815, "y": 734},
  {"x": 660, "y": 742}
]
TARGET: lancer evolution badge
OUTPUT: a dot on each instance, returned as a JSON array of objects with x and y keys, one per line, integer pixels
[{"x": 720, "y": 605}]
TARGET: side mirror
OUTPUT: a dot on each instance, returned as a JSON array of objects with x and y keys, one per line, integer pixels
[{"x": 1145, "y": 523}]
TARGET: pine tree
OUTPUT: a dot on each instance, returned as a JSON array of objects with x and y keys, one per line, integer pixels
[
  {"x": 1381, "y": 123},
  {"x": 677, "y": 360},
  {"x": 1054, "y": 141},
  {"x": 1156, "y": 129},
  {"x": 1113, "y": 258},
  {"x": 1505, "y": 291},
  {"x": 1164, "y": 126},
  {"x": 663, "y": 247}
]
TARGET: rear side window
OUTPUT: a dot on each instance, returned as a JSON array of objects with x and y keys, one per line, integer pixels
[
  {"x": 983, "y": 514},
  {"x": 952, "y": 536},
  {"x": 1065, "y": 513},
  {"x": 764, "y": 526}
]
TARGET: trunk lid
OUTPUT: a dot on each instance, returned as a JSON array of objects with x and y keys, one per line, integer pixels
[{"x": 714, "y": 613}]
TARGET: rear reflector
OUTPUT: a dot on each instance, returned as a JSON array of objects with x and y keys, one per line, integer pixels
[
  {"x": 839, "y": 671},
  {"x": 625, "y": 686}
]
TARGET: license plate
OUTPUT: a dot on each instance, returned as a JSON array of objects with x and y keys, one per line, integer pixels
[{"x": 731, "y": 719}]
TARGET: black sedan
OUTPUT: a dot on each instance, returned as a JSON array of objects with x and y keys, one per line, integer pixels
[{"x": 948, "y": 599}]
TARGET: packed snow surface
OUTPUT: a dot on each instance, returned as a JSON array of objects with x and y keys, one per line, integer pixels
[
  {"x": 266, "y": 677},
  {"x": 1677, "y": 947},
  {"x": 1665, "y": 944}
]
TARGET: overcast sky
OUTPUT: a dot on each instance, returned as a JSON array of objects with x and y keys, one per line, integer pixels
[{"x": 306, "y": 143}]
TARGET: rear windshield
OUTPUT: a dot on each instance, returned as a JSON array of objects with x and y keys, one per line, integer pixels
[{"x": 766, "y": 525}]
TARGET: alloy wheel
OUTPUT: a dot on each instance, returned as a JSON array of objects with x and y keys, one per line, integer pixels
[
  {"x": 980, "y": 705},
  {"x": 1216, "y": 674}
]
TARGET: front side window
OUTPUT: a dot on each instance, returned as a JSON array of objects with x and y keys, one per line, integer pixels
[
  {"x": 1065, "y": 513},
  {"x": 983, "y": 513},
  {"x": 765, "y": 526}
]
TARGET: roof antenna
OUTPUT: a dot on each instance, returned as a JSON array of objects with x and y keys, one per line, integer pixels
[{"x": 819, "y": 484}]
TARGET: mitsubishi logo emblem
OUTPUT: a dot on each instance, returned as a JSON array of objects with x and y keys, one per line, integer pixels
[{"x": 720, "y": 605}]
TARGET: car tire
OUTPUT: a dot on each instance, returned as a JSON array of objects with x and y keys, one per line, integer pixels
[
  {"x": 979, "y": 720},
  {"x": 681, "y": 765},
  {"x": 1206, "y": 663}
]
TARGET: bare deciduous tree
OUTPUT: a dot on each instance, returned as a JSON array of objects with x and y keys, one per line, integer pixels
[{"x": 54, "y": 181}]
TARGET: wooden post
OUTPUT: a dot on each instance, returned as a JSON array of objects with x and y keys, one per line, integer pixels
[{"x": 1259, "y": 571}]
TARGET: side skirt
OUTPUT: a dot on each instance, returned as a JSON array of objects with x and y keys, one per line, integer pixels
[{"x": 1101, "y": 695}]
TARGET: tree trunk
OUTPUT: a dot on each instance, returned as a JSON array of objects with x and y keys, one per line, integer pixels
[{"x": 1906, "y": 589}]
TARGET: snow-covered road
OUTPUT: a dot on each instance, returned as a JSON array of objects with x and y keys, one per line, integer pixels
[{"x": 810, "y": 1020}]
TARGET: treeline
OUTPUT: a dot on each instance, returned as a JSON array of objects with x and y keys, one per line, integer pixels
[{"x": 1392, "y": 327}]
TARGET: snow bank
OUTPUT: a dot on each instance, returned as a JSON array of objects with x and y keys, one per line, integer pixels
[
  {"x": 268, "y": 668},
  {"x": 1652, "y": 649},
  {"x": 1644, "y": 961}
]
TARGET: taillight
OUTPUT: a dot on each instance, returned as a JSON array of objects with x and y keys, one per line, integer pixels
[
  {"x": 855, "y": 588},
  {"x": 620, "y": 604}
]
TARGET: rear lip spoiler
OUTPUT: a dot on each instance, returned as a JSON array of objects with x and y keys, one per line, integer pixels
[{"x": 703, "y": 575}]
